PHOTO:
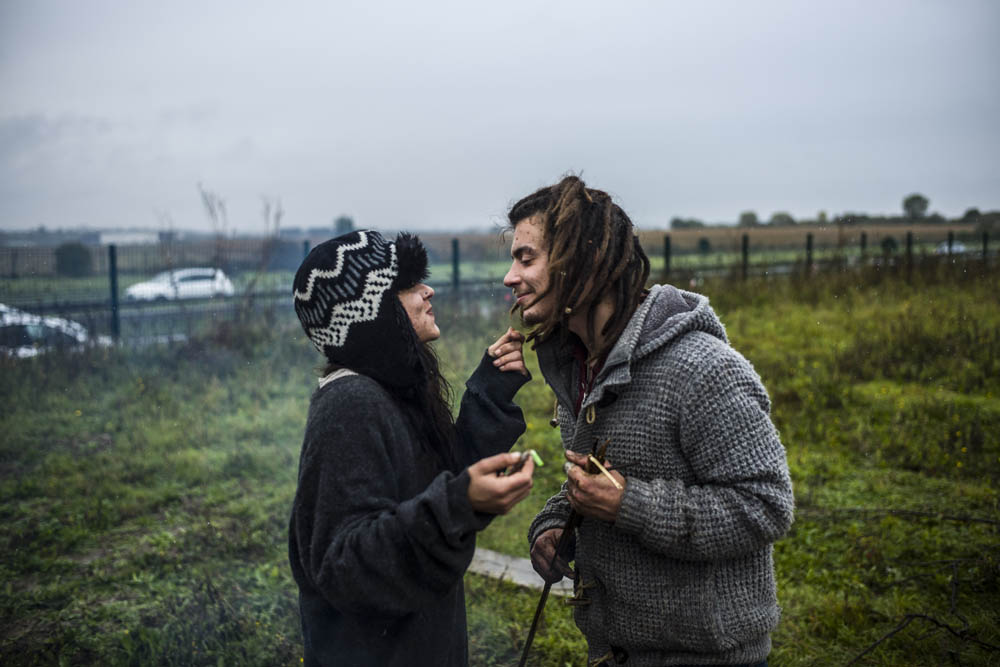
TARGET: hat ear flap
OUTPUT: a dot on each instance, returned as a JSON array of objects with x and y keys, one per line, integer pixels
[{"x": 411, "y": 256}]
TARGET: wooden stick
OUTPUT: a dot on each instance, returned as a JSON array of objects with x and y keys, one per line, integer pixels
[
  {"x": 605, "y": 472},
  {"x": 572, "y": 522},
  {"x": 534, "y": 624}
]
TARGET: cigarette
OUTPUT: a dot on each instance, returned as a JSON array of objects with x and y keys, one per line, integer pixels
[
  {"x": 525, "y": 455},
  {"x": 605, "y": 472}
]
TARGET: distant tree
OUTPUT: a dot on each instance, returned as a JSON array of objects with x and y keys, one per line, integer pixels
[
  {"x": 215, "y": 208},
  {"x": 821, "y": 217},
  {"x": 889, "y": 245},
  {"x": 73, "y": 260},
  {"x": 782, "y": 219},
  {"x": 704, "y": 245},
  {"x": 915, "y": 206},
  {"x": 748, "y": 219},
  {"x": 971, "y": 215},
  {"x": 273, "y": 212},
  {"x": 343, "y": 225},
  {"x": 988, "y": 223},
  {"x": 852, "y": 218},
  {"x": 688, "y": 223}
]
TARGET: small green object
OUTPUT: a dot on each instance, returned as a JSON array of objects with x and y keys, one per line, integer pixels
[{"x": 536, "y": 457}]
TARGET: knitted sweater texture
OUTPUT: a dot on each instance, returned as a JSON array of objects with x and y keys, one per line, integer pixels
[
  {"x": 380, "y": 536},
  {"x": 685, "y": 573}
]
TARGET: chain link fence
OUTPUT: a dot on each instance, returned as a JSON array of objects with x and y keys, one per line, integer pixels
[
  {"x": 173, "y": 290},
  {"x": 168, "y": 291}
]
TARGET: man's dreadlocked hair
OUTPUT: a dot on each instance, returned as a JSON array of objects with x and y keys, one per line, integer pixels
[{"x": 593, "y": 252}]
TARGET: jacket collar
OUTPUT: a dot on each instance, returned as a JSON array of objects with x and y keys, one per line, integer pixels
[{"x": 663, "y": 315}]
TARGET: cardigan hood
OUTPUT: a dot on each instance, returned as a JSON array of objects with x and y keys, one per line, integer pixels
[{"x": 665, "y": 315}]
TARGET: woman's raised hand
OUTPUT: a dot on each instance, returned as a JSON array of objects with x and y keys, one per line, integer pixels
[{"x": 506, "y": 352}]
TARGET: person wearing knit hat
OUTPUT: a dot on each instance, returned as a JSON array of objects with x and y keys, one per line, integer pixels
[{"x": 391, "y": 489}]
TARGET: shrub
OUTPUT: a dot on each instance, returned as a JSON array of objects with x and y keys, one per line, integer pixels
[{"x": 73, "y": 260}]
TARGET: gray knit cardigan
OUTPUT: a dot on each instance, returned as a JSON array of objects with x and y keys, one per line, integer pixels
[{"x": 685, "y": 574}]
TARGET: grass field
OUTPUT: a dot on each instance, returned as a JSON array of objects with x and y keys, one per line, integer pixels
[{"x": 144, "y": 496}]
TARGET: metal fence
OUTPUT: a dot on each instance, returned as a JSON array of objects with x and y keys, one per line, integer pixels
[{"x": 91, "y": 284}]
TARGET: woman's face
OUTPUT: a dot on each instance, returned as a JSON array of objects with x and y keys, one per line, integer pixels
[{"x": 417, "y": 303}]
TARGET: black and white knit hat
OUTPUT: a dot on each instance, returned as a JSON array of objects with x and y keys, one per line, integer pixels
[{"x": 345, "y": 297}]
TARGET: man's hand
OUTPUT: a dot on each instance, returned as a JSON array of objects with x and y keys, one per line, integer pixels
[
  {"x": 506, "y": 352},
  {"x": 542, "y": 553},
  {"x": 495, "y": 494},
  {"x": 592, "y": 495}
]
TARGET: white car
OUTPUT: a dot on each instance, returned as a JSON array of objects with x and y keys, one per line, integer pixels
[
  {"x": 957, "y": 248},
  {"x": 24, "y": 335},
  {"x": 182, "y": 284}
]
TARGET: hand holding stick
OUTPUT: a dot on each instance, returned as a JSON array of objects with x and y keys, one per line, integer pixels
[
  {"x": 572, "y": 521},
  {"x": 593, "y": 488}
]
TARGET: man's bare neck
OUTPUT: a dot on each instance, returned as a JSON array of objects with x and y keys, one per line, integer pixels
[{"x": 578, "y": 325}]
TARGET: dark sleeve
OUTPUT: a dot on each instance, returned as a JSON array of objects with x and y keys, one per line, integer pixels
[
  {"x": 556, "y": 510},
  {"x": 553, "y": 515},
  {"x": 489, "y": 422},
  {"x": 360, "y": 544}
]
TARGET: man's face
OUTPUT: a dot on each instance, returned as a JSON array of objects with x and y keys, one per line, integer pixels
[
  {"x": 417, "y": 304},
  {"x": 529, "y": 276}
]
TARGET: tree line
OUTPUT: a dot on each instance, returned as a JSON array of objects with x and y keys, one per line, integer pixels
[{"x": 915, "y": 209}]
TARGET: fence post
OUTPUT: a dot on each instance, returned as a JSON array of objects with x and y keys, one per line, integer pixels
[
  {"x": 909, "y": 253},
  {"x": 666, "y": 257},
  {"x": 305, "y": 248},
  {"x": 809, "y": 252},
  {"x": 864, "y": 246},
  {"x": 951, "y": 241},
  {"x": 986, "y": 239},
  {"x": 116, "y": 324},
  {"x": 746, "y": 255},
  {"x": 454, "y": 264}
]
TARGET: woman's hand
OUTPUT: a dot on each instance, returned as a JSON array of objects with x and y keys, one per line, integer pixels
[
  {"x": 506, "y": 352},
  {"x": 493, "y": 493}
]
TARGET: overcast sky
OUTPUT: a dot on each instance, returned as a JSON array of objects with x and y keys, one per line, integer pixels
[{"x": 438, "y": 115}]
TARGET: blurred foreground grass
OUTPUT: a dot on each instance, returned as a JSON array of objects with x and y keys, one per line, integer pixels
[{"x": 144, "y": 495}]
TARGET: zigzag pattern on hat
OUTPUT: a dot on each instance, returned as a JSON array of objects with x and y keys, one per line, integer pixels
[
  {"x": 349, "y": 293},
  {"x": 378, "y": 255},
  {"x": 363, "y": 309}
]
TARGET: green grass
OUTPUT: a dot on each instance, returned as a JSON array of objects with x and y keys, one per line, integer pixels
[{"x": 144, "y": 495}]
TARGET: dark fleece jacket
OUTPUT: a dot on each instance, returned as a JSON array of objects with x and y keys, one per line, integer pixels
[{"x": 380, "y": 536}]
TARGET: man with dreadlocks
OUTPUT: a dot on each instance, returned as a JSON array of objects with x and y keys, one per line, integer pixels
[
  {"x": 392, "y": 490},
  {"x": 673, "y": 561}
]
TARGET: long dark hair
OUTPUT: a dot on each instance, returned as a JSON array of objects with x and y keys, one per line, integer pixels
[
  {"x": 593, "y": 252},
  {"x": 434, "y": 405},
  {"x": 426, "y": 405}
]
